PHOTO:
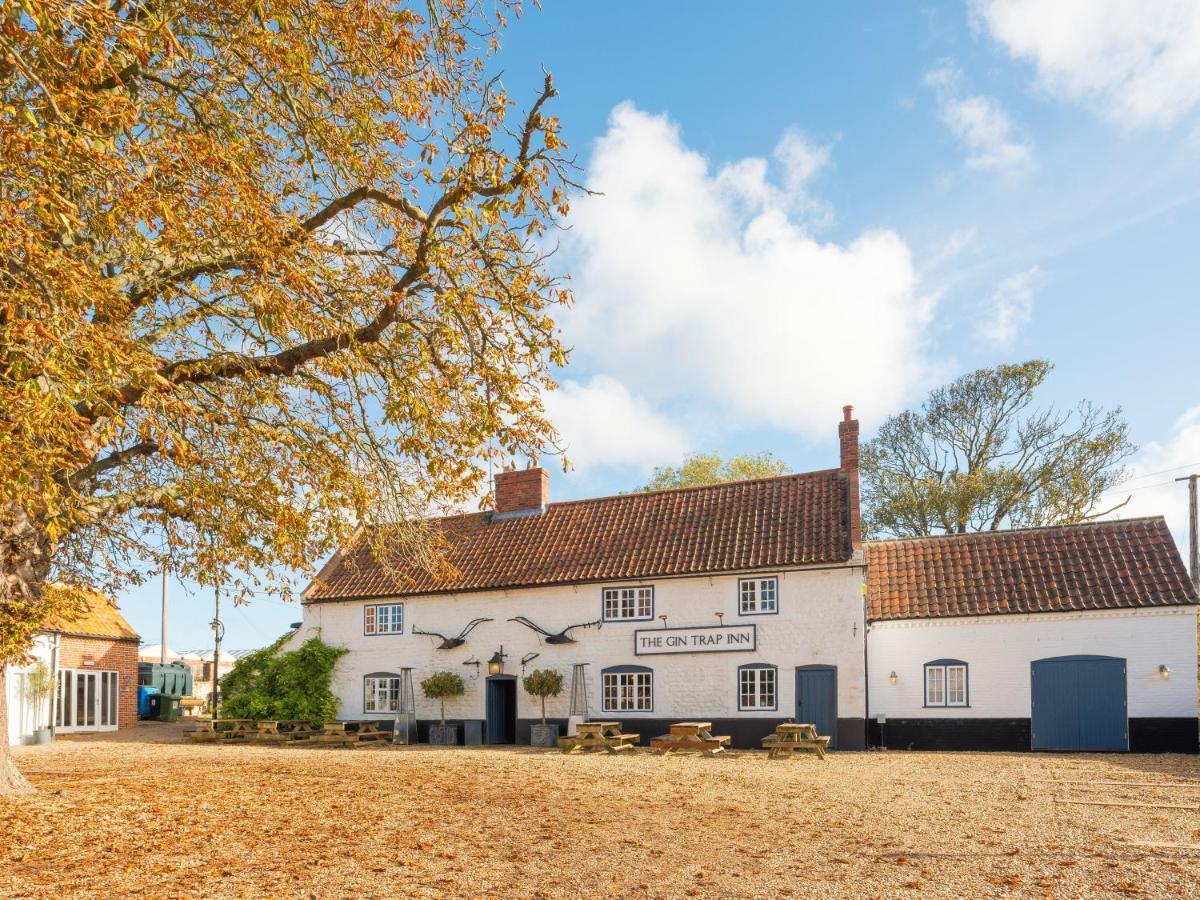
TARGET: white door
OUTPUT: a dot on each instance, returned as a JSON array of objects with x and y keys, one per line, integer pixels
[{"x": 87, "y": 700}]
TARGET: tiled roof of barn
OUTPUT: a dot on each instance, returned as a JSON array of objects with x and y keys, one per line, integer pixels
[
  {"x": 765, "y": 523},
  {"x": 1100, "y": 565}
]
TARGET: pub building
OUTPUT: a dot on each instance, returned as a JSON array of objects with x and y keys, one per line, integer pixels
[{"x": 748, "y": 604}]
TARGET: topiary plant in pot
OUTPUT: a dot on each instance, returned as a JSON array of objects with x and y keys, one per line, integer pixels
[
  {"x": 543, "y": 683},
  {"x": 39, "y": 685},
  {"x": 439, "y": 686}
]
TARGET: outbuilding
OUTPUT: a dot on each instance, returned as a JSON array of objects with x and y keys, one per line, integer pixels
[
  {"x": 1078, "y": 637},
  {"x": 93, "y": 659}
]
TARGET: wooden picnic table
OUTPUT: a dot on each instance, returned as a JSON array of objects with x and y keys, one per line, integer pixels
[
  {"x": 690, "y": 737},
  {"x": 222, "y": 729},
  {"x": 792, "y": 736},
  {"x": 371, "y": 731},
  {"x": 275, "y": 731},
  {"x": 596, "y": 736}
]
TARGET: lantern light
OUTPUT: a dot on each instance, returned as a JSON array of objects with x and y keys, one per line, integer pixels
[
  {"x": 496, "y": 663},
  {"x": 893, "y": 678}
]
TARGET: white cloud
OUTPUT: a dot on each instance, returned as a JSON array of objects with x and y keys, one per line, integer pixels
[
  {"x": 980, "y": 123},
  {"x": 1138, "y": 62},
  {"x": 1152, "y": 489},
  {"x": 705, "y": 290},
  {"x": 601, "y": 424},
  {"x": 1008, "y": 309}
]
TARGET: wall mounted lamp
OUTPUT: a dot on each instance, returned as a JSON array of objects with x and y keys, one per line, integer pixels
[
  {"x": 664, "y": 619},
  {"x": 1164, "y": 672},
  {"x": 720, "y": 618},
  {"x": 893, "y": 677},
  {"x": 526, "y": 659},
  {"x": 496, "y": 663}
]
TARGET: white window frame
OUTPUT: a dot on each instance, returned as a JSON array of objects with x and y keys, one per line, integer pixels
[
  {"x": 372, "y": 619},
  {"x": 104, "y": 688},
  {"x": 381, "y": 685},
  {"x": 627, "y": 690},
  {"x": 757, "y": 676},
  {"x": 751, "y": 596},
  {"x": 939, "y": 689},
  {"x": 632, "y": 603}
]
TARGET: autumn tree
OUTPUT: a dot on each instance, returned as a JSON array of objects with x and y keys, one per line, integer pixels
[
  {"x": 271, "y": 271},
  {"x": 980, "y": 455},
  {"x": 711, "y": 468}
]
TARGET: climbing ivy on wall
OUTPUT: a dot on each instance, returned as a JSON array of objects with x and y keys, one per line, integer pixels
[{"x": 269, "y": 684}]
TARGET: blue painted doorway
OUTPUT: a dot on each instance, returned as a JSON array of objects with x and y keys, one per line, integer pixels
[
  {"x": 1079, "y": 703},
  {"x": 502, "y": 709},
  {"x": 816, "y": 699}
]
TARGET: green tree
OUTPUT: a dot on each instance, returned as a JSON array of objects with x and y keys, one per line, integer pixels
[
  {"x": 709, "y": 468},
  {"x": 441, "y": 685},
  {"x": 543, "y": 683},
  {"x": 979, "y": 455}
]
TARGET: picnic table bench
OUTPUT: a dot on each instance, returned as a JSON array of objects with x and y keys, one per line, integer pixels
[
  {"x": 278, "y": 731},
  {"x": 372, "y": 731},
  {"x": 690, "y": 737},
  {"x": 222, "y": 730},
  {"x": 596, "y": 736},
  {"x": 191, "y": 706},
  {"x": 792, "y": 736}
]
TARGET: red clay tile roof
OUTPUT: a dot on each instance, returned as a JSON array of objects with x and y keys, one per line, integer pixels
[
  {"x": 1100, "y": 565},
  {"x": 766, "y": 523},
  {"x": 99, "y": 618}
]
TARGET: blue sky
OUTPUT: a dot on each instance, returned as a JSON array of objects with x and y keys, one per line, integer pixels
[{"x": 803, "y": 208}]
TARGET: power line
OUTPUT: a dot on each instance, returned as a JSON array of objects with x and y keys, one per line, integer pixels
[{"x": 1164, "y": 471}]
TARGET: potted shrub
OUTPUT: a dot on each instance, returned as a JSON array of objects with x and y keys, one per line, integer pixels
[
  {"x": 543, "y": 683},
  {"x": 439, "y": 686},
  {"x": 39, "y": 685}
]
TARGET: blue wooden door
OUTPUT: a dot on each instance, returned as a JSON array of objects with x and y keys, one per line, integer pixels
[
  {"x": 502, "y": 709},
  {"x": 816, "y": 699},
  {"x": 1079, "y": 703}
]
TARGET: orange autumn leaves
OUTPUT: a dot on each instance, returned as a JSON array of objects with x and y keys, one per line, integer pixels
[{"x": 271, "y": 271}]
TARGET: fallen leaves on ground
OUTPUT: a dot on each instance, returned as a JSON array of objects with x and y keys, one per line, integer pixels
[{"x": 126, "y": 816}]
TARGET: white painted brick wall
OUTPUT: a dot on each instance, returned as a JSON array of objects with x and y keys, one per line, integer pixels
[
  {"x": 999, "y": 650},
  {"x": 820, "y": 621}
]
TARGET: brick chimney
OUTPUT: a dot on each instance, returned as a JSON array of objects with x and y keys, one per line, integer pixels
[
  {"x": 848, "y": 438},
  {"x": 522, "y": 491}
]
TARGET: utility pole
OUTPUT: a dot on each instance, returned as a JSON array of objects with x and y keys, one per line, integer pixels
[
  {"x": 218, "y": 632},
  {"x": 1193, "y": 527},
  {"x": 163, "y": 647}
]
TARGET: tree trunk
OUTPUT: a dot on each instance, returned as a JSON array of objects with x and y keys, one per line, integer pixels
[
  {"x": 11, "y": 781},
  {"x": 24, "y": 565}
]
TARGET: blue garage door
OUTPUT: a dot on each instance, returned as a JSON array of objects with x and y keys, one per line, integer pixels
[{"x": 1079, "y": 703}]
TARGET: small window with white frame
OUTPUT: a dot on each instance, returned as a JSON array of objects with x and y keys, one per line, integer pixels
[
  {"x": 758, "y": 596},
  {"x": 627, "y": 689},
  {"x": 381, "y": 693},
  {"x": 757, "y": 686},
  {"x": 628, "y": 604},
  {"x": 383, "y": 618},
  {"x": 946, "y": 683}
]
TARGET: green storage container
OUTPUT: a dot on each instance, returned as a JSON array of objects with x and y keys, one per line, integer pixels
[{"x": 169, "y": 709}]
